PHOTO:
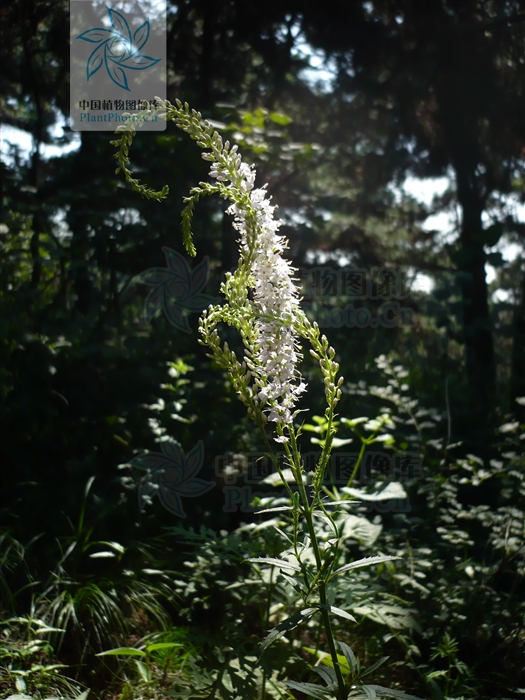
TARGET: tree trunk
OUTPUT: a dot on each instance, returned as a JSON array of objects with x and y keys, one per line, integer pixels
[
  {"x": 517, "y": 382},
  {"x": 479, "y": 346}
]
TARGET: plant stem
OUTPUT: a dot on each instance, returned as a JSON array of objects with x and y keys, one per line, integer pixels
[{"x": 308, "y": 508}]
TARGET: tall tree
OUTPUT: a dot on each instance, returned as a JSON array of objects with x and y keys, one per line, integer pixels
[{"x": 449, "y": 79}]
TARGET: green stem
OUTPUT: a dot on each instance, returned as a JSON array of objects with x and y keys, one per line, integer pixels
[
  {"x": 364, "y": 445},
  {"x": 307, "y": 508}
]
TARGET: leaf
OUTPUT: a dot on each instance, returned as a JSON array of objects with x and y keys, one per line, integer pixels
[
  {"x": 275, "y": 478},
  {"x": 122, "y": 651},
  {"x": 394, "y": 616},
  {"x": 338, "y": 612},
  {"x": 144, "y": 671},
  {"x": 349, "y": 656},
  {"x": 162, "y": 645},
  {"x": 102, "y": 555},
  {"x": 141, "y": 36},
  {"x": 328, "y": 675},
  {"x": 313, "y": 691},
  {"x": 119, "y": 22},
  {"x": 369, "y": 692},
  {"x": 287, "y": 626},
  {"x": 279, "y": 563},
  {"x": 139, "y": 62},
  {"x": 116, "y": 74},
  {"x": 280, "y": 118},
  {"x": 352, "y": 422},
  {"x": 389, "y": 491},
  {"x": 278, "y": 509},
  {"x": 94, "y": 62},
  {"x": 339, "y": 442},
  {"x": 389, "y": 693},
  {"x": 367, "y": 561},
  {"x": 83, "y": 696},
  {"x": 375, "y": 666},
  {"x": 96, "y": 35},
  {"x": 115, "y": 546}
]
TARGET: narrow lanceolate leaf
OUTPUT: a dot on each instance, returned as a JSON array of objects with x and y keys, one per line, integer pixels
[
  {"x": 338, "y": 612},
  {"x": 278, "y": 509},
  {"x": 369, "y": 692},
  {"x": 144, "y": 671},
  {"x": 163, "y": 645},
  {"x": 313, "y": 691},
  {"x": 123, "y": 651},
  {"x": 287, "y": 626},
  {"x": 389, "y": 693},
  {"x": 375, "y": 666},
  {"x": 349, "y": 656},
  {"x": 367, "y": 561},
  {"x": 328, "y": 676},
  {"x": 279, "y": 563}
]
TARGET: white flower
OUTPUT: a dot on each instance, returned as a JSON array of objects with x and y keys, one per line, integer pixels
[{"x": 275, "y": 295}]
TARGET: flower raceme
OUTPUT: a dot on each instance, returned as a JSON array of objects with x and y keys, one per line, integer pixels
[
  {"x": 261, "y": 298},
  {"x": 275, "y": 295}
]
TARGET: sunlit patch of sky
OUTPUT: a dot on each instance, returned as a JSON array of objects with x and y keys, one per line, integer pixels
[{"x": 23, "y": 141}]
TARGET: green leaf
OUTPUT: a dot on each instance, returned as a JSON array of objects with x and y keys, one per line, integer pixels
[
  {"x": 367, "y": 561},
  {"x": 83, "y": 696},
  {"x": 144, "y": 671},
  {"x": 20, "y": 684},
  {"x": 369, "y": 692},
  {"x": 375, "y": 666},
  {"x": 328, "y": 675},
  {"x": 339, "y": 442},
  {"x": 313, "y": 691},
  {"x": 314, "y": 428},
  {"x": 388, "y": 693},
  {"x": 349, "y": 657},
  {"x": 280, "y": 118},
  {"x": 279, "y": 563},
  {"x": 326, "y": 659},
  {"x": 287, "y": 626},
  {"x": 162, "y": 645},
  {"x": 352, "y": 422},
  {"x": 122, "y": 651},
  {"x": 338, "y": 612}
]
